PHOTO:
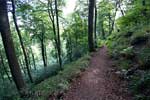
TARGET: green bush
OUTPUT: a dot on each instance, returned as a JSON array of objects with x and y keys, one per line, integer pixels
[
  {"x": 140, "y": 86},
  {"x": 124, "y": 64},
  {"x": 127, "y": 52},
  {"x": 8, "y": 91},
  {"x": 144, "y": 58}
]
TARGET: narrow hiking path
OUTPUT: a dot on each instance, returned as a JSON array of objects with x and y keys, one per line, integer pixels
[{"x": 99, "y": 82}]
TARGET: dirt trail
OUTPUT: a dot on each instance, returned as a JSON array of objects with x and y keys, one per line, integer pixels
[{"x": 99, "y": 82}]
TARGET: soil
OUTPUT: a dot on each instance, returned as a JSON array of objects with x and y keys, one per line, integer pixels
[{"x": 99, "y": 81}]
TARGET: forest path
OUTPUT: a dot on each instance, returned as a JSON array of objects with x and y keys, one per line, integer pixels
[{"x": 99, "y": 82}]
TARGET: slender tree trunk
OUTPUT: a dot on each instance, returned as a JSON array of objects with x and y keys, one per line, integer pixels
[
  {"x": 42, "y": 39},
  {"x": 22, "y": 67},
  {"x": 122, "y": 12},
  {"x": 95, "y": 27},
  {"x": 109, "y": 23},
  {"x": 58, "y": 35},
  {"x": 21, "y": 42},
  {"x": 103, "y": 31},
  {"x": 144, "y": 4},
  {"x": 43, "y": 53},
  {"x": 29, "y": 61},
  {"x": 113, "y": 22},
  {"x": 70, "y": 43},
  {"x": 90, "y": 25},
  {"x": 69, "y": 47},
  {"x": 76, "y": 39},
  {"x": 9, "y": 48},
  {"x": 33, "y": 59}
]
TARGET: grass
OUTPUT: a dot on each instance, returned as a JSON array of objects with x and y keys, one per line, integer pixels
[{"x": 61, "y": 82}]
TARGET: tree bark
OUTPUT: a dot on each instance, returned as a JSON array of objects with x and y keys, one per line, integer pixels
[
  {"x": 22, "y": 67},
  {"x": 115, "y": 13},
  {"x": 109, "y": 23},
  {"x": 95, "y": 27},
  {"x": 103, "y": 31},
  {"x": 144, "y": 4},
  {"x": 90, "y": 25},
  {"x": 122, "y": 12},
  {"x": 58, "y": 35},
  {"x": 43, "y": 54},
  {"x": 9, "y": 48},
  {"x": 21, "y": 42},
  {"x": 33, "y": 59},
  {"x": 43, "y": 51}
]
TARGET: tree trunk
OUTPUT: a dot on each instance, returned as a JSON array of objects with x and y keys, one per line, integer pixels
[
  {"x": 70, "y": 46},
  {"x": 9, "y": 48},
  {"x": 95, "y": 35},
  {"x": 103, "y": 31},
  {"x": 90, "y": 25},
  {"x": 109, "y": 23},
  {"x": 21, "y": 42},
  {"x": 43, "y": 53},
  {"x": 113, "y": 22},
  {"x": 144, "y": 4},
  {"x": 43, "y": 46},
  {"x": 33, "y": 59},
  {"x": 69, "y": 53},
  {"x": 122, "y": 12},
  {"x": 58, "y": 35},
  {"x": 28, "y": 57},
  {"x": 22, "y": 67}
]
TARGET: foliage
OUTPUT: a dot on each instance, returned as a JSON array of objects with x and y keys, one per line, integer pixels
[
  {"x": 129, "y": 44},
  {"x": 140, "y": 86},
  {"x": 61, "y": 82},
  {"x": 6, "y": 91},
  {"x": 124, "y": 64},
  {"x": 127, "y": 37},
  {"x": 144, "y": 58},
  {"x": 75, "y": 35}
]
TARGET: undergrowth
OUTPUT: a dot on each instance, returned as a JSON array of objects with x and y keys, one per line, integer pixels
[
  {"x": 131, "y": 48},
  {"x": 55, "y": 86}
]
